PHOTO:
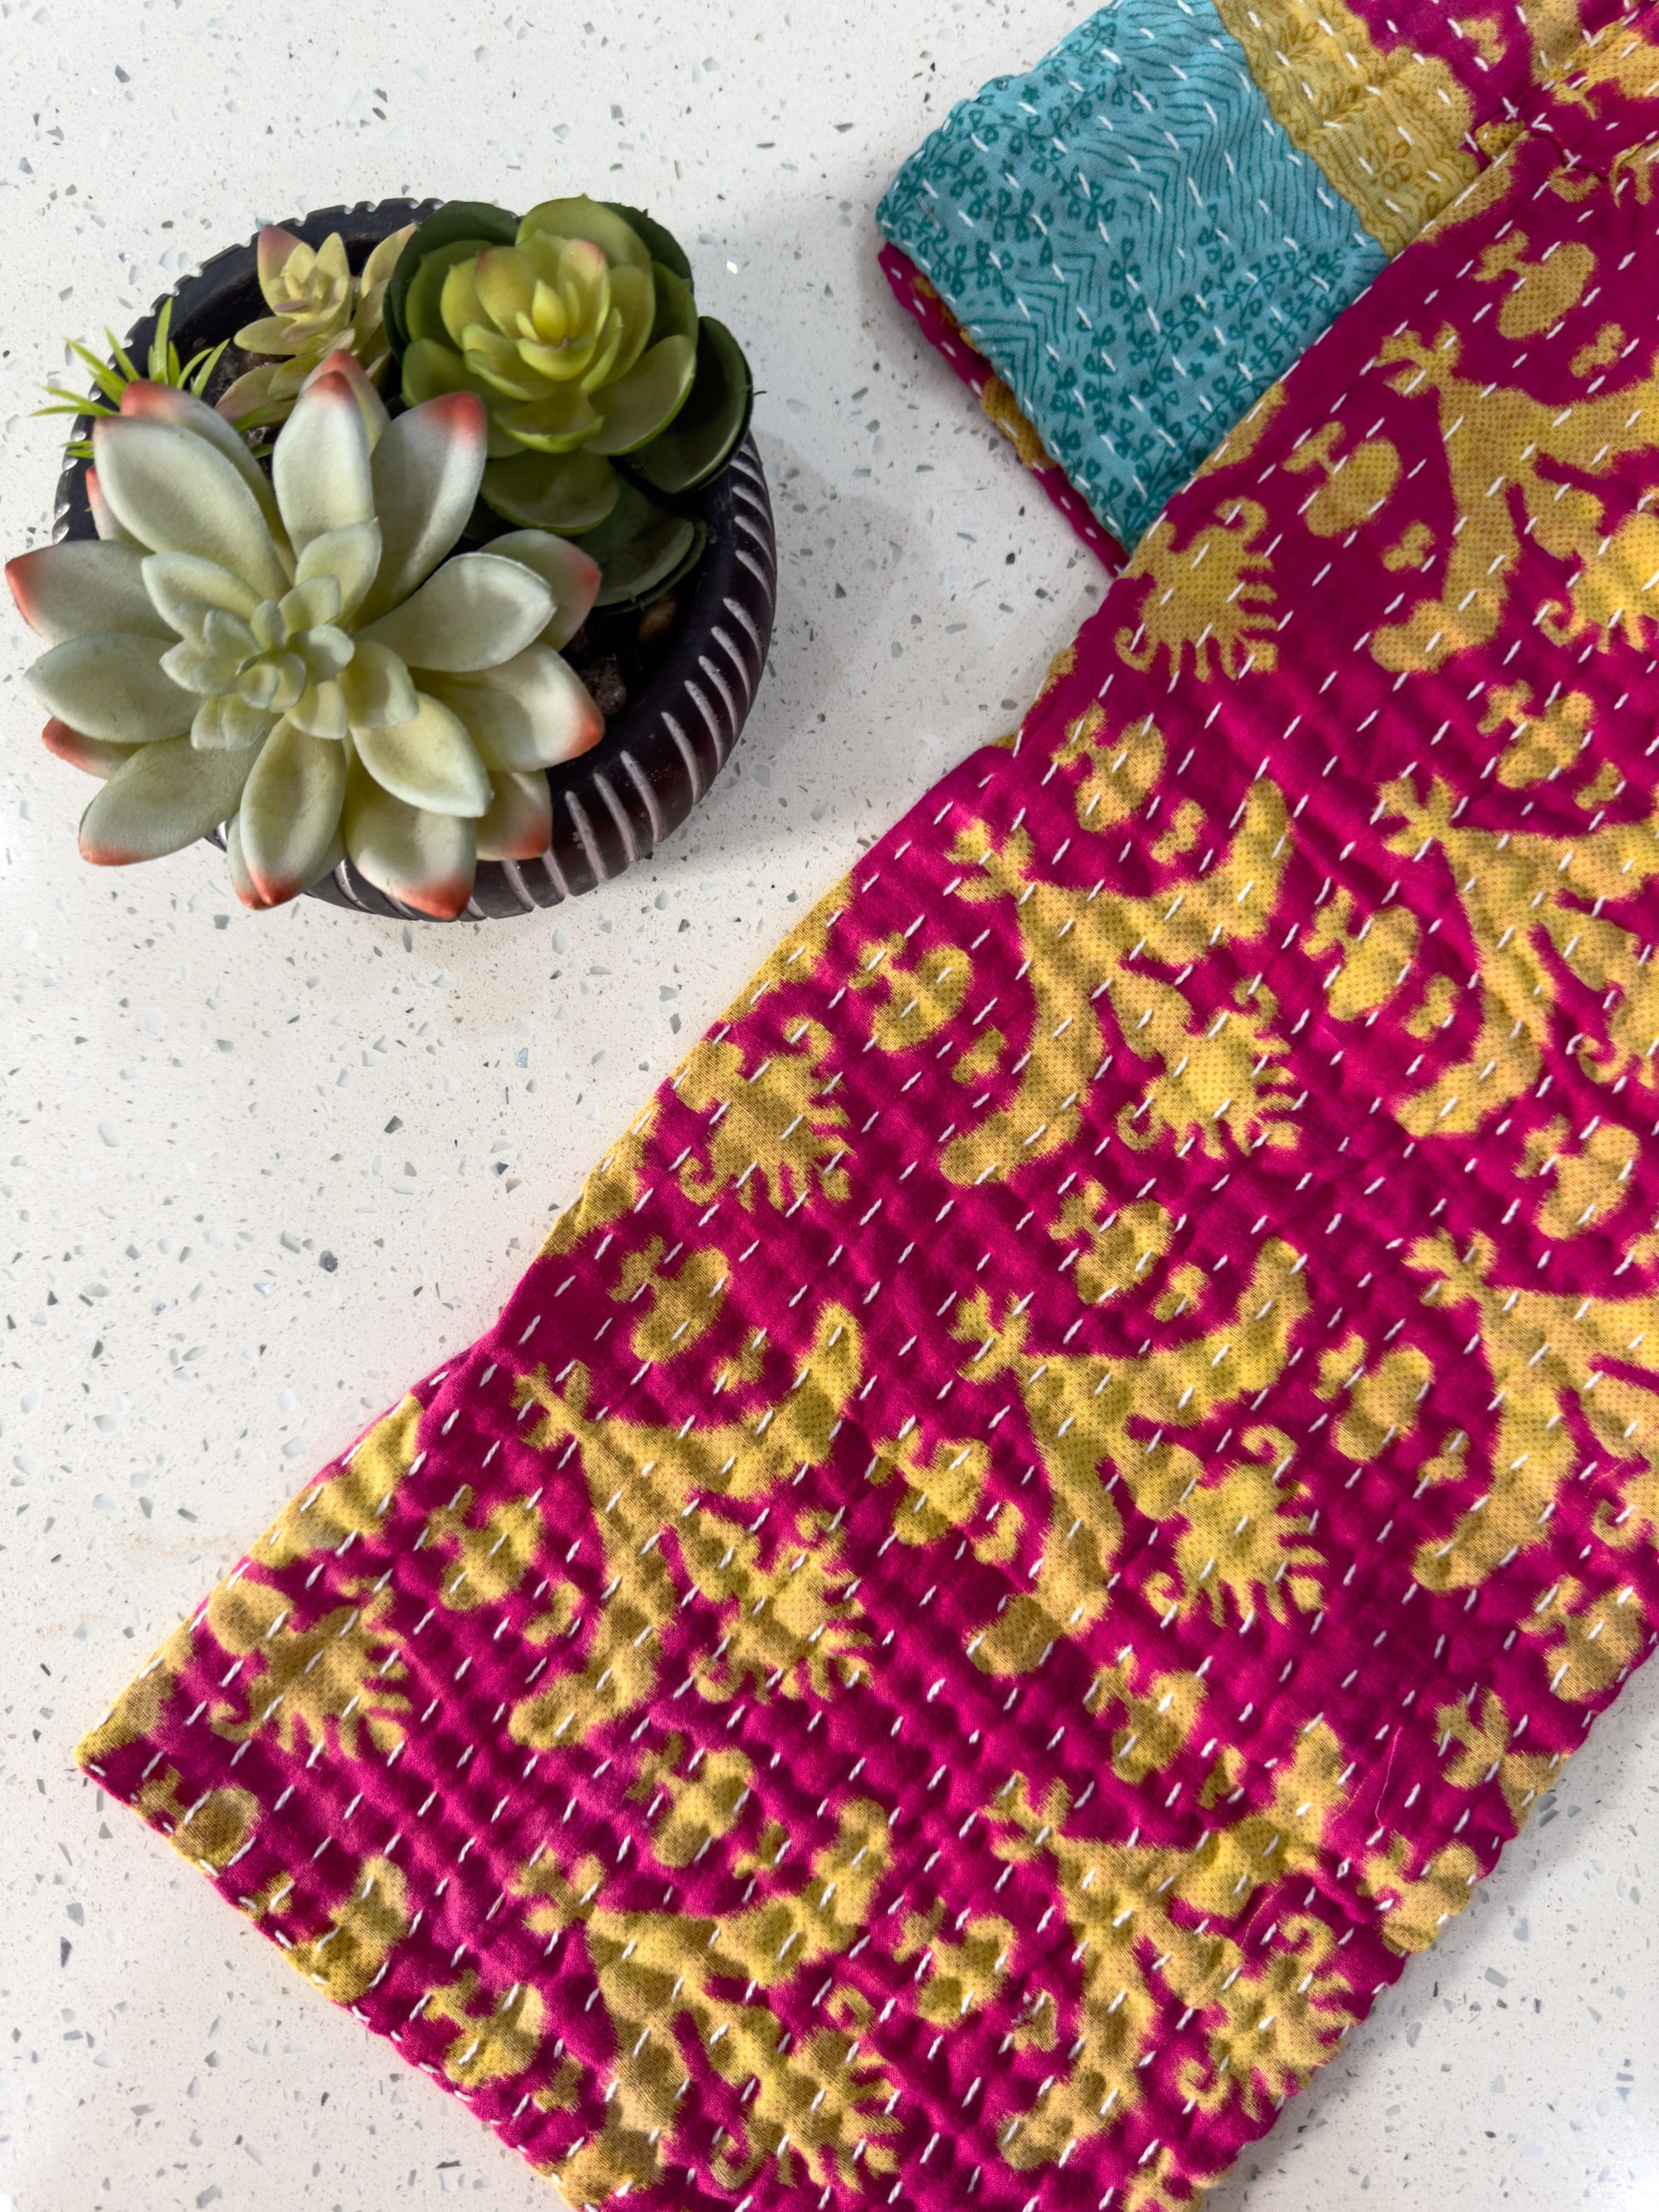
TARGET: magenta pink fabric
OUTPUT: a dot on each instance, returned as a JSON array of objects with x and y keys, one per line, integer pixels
[{"x": 1080, "y": 1467}]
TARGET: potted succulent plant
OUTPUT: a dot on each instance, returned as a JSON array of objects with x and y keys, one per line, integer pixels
[{"x": 454, "y": 598}]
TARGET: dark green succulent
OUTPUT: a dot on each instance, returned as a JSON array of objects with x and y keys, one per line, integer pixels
[{"x": 609, "y": 398}]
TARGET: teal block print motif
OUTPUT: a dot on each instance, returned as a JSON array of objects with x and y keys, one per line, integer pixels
[{"x": 1129, "y": 237}]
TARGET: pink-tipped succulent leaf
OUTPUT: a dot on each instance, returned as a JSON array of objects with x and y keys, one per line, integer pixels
[
  {"x": 423, "y": 860},
  {"x": 519, "y": 823},
  {"x": 92, "y": 756},
  {"x": 275, "y": 249},
  {"x": 372, "y": 408},
  {"x": 103, "y": 521}
]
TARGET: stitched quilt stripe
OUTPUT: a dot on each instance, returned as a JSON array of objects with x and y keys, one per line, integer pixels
[{"x": 1130, "y": 237}]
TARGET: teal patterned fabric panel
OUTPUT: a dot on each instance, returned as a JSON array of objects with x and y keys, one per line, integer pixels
[{"x": 1134, "y": 243}]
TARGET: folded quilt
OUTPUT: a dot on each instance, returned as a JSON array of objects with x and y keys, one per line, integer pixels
[
  {"x": 941, "y": 329},
  {"x": 1079, "y": 1467},
  {"x": 1144, "y": 231}
]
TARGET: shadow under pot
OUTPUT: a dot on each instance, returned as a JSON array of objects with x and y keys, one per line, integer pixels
[{"x": 675, "y": 681}]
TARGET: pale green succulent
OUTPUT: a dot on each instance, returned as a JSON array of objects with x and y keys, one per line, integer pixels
[
  {"x": 318, "y": 307},
  {"x": 292, "y": 655}
]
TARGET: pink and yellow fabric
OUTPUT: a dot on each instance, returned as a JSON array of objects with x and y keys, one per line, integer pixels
[
  {"x": 1074, "y": 1474},
  {"x": 1119, "y": 251}
]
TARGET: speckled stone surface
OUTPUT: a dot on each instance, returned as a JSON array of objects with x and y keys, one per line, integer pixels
[{"x": 256, "y": 1172}]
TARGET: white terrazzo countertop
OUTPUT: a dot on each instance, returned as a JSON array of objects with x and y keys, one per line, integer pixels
[{"x": 258, "y": 1171}]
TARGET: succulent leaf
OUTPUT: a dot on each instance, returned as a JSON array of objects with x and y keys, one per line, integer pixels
[
  {"x": 425, "y": 476},
  {"x": 428, "y": 761},
  {"x": 567, "y": 492},
  {"x": 273, "y": 249},
  {"x": 432, "y": 372},
  {"x": 159, "y": 402},
  {"x": 174, "y": 493},
  {"x": 247, "y": 401},
  {"x": 581, "y": 217},
  {"x": 639, "y": 547},
  {"x": 110, "y": 531},
  {"x": 370, "y": 404},
  {"x": 646, "y": 401},
  {"x": 634, "y": 298},
  {"x": 558, "y": 422},
  {"x": 432, "y": 368},
  {"x": 708, "y": 429},
  {"x": 184, "y": 589},
  {"x": 682, "y": 569},
  {"x": 571, "y": 574},
  {"x": 349, "y": 556},
  {"x": 313, "y": 604},
  {"x": 519, "y": 823},
  {"x": 424, "y": 305},
  {"x": 384, "y": 258},
  {"x": 70, "y": 590},
  {"x": 456, "y": 219},
  {"x": 426, "y": 860},
  {"x": 92, "y": 756},
  {"x": 475, "y": 611},
  {"x": 290, "y": 811},
  {"x": 661, "y": 244},
  {"x": 199, "y": 669},
  {"x": 320, "y": 711},
  {"x": 242, "y": 883},
  {"x": 163, "y": 798},
  {"x": 677, "y": 308},
  {"x": 504, "y": 365},
  {"x": 377, "y": 688},
  {"x": 242, "y": 724},
  {"x": 269, "y": 334},
  {"x": 236, "y": 867},
  {"x": 320, "y": 465},
  {"x": 532, "y": 712},
  {"x": 500, "y": 283},
  {"x": 110, "y": 684},
  {"x": 209, "y": 732}
]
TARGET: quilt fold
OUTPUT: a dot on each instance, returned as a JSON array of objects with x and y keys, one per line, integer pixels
[
  {"x": 1121, "y": 248},
  {"x": 1078, "y": 1470}
]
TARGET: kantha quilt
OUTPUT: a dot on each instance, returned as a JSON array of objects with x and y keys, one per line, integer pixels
[{"x": 1079, "y": 1467}]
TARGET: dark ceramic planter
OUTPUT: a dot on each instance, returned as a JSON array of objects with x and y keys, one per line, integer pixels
[{"x": 660, "y": 755}]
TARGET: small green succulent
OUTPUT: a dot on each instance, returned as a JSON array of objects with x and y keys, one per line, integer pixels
[
  {"x": 112, "y": 378},
  {"x": 293, "y": 655},
  {"x": 318, "y": 307},
  {"x": 609, "y": 397}
]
